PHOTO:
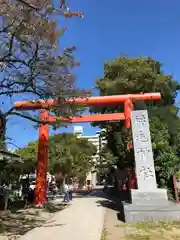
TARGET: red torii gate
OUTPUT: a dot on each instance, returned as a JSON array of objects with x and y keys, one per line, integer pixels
[{"x": 43, "y": 105}]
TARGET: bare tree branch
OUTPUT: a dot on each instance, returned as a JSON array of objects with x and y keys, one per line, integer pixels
[
  {"x": 28, "y": 5},
  {"x": 16, "y": 92},
  {"x": 33, "y": 119},
  {"x": 30, "y": 63}
]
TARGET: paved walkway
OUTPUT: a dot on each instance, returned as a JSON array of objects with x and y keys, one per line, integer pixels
[{"x": 83, "y": 220}]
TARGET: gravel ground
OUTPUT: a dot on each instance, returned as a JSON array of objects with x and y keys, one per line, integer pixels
[
  {"x": 14, "y": 225},
  {"x": 114, "y": 228},
  {"x": 111, "y": 229},
  {"x": 83, "y": 220}
]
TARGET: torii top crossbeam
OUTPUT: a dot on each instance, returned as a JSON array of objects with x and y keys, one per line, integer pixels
[{"x": 88, "y": 101}]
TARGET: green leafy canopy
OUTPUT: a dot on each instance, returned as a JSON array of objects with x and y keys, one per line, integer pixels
[
  {"x": 126, "y": 75},
  {"x": 67, "y": 154}
]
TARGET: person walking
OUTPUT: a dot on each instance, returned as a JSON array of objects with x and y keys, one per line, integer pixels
[{"x": 70, "y": 188}]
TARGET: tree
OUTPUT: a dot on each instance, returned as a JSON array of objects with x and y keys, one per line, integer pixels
[
  {"x": 68, "y": 155},
  {"x": 13, "y": 168},
  {"x": 139, "y": 75},
  {"x": 29, "y": 156},
  {"x": 31, "y": 64}
]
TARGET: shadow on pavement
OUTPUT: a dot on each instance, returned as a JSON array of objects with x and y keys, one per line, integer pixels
[
  {"x": 93, "y": 193},
  {"x": 52, "y": 225},
  {"x": 113, "y": 200}
]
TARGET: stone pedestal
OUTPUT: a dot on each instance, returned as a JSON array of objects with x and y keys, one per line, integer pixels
[
  {"x": 159, "y": 196},
  {"x": 149, "y": 206},
  {"x": 134, "y": 213},
  {"x": 147, "y": 203}
]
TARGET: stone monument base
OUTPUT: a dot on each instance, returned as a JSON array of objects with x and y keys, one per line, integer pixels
[
  {"x": 146, "y": 213},
  {"x": 150, "y": 206},
  {"x": 157, "y": 196}
]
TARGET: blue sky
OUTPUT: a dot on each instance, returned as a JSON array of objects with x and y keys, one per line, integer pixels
[{"x": 109, "y": 28}]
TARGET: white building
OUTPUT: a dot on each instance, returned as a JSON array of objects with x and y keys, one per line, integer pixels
[
  {"x": 99, "y": 141},
  {"x": 78, "y": 130}
]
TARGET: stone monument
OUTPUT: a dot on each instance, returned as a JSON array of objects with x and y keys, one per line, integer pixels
[{"x": 148, "y": 202}]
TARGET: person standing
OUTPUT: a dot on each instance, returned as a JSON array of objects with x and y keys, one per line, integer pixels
[
  {"x": 66, "y": 191},
  {"x": 70, "y": 188}
]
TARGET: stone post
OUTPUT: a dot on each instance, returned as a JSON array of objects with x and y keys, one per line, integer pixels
[
  {"x": 145, "y": 171},
  {"x": 148, "y": 202}
]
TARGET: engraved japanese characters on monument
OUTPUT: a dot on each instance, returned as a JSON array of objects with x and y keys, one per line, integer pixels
[{"x": 145, "y": 172}]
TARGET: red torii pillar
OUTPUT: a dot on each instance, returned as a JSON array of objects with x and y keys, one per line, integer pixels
[{"x": 42, "y": 161}]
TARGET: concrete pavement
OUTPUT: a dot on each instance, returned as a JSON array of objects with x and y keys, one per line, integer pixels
[{"x": 83, "y": 220}]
